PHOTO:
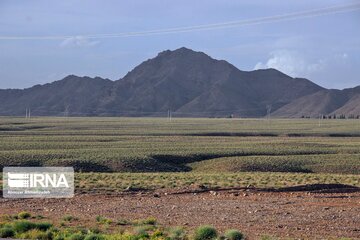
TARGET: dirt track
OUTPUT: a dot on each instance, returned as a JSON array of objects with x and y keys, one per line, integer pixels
[{"x": 291, "y": 214}]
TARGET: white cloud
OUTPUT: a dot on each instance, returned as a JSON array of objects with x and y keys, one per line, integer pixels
[
  {"x": 78, "y": 41},
  {"x": 291, "y": 63}
]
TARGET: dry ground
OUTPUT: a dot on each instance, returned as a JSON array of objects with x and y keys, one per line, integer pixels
[{"x": 299, "y": 215}]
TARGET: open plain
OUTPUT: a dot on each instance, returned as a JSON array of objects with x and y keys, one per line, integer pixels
[{"x": 284, "y": 178}]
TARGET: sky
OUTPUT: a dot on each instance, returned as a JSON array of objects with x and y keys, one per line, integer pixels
[{"x": 324, "y": 49}]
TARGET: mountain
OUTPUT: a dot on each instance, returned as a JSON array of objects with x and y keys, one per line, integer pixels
[
  {"x": 324, "y": 102},
  {"x": 352, "y": 107},
  {"x": 76, "y": 94},
  {"x": 186, "y": 82}
]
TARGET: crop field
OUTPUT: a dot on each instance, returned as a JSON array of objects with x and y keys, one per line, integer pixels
[
  {"x": 119, "y": 182},
  {"x": 217, "y": 152}
]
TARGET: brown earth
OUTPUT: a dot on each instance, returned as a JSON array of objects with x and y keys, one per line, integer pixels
[{"x": 300, "y": 215}]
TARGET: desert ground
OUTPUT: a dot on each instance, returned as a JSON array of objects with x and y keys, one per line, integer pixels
[{"x": 294, "y": 215}]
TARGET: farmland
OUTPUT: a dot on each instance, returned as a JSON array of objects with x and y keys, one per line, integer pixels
[
  {"x": 221, "y": 152},
  {"x": 182, "y": 145}
]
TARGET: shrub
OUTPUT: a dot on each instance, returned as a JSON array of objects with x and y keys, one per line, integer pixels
[
  {"x": 267, "y": 237},
  {"x": 6, "y": 217},
  {"x": 205, "y": 233},
  {"x": 234, "y": 234},
  {"x": 95, "y": 230},
  {"x": 6, "y": 232},
  {"x": 177, "y": 233},
  {"x": 23, "y": 226},
  {"x": 123, "y": 222},
  {"x": 59, "y": 237},
  {"x": 141, "y": 232},
  {"x": 103, "y": 220},
  {"x": 48, "y": 235},
  {"x": 157, "y": 234},
  {"x": 149, "y": 221},
  {"x": 37, "y": 234},
  {"x": 68, "y": 218},
  {"x": 77, "y": 236},
  {"x": 24, "y": 215},
  {"x": 43, "y": 226},
  {"x": 94, "y": 237}
]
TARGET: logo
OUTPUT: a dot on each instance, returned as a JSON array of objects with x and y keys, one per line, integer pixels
[
  {"x": 25, "y": 180},
  {"x": 17, "y": 180},
  {"x": 38, "y": 182}
]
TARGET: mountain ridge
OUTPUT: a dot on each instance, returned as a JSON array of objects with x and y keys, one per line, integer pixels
[{"x": 188, "y": 83}]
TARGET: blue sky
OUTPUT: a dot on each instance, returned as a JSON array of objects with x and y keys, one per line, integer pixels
[{"x": 324, "y": 49}]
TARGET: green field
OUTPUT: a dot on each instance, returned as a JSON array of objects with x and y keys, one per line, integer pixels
[
  {"x": 118, "y": 182},
  {"x": 201, "y": 147}
]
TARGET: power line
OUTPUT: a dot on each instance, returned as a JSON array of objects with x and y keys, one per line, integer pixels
[{"x": 205, "y": 27}]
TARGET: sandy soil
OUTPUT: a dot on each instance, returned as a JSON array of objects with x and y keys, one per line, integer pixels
[{"x": 301, "y": 215}]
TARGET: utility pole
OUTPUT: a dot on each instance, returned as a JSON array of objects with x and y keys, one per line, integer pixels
[
  {"x": 268, "y": 108},
  {"x": 320, "y": 116},
  {"x": 66, "y": 112},
  {"x": 29, "y": 113},
  {"x": 169, "y": 115},
  {"x": 26, "y": 113}
]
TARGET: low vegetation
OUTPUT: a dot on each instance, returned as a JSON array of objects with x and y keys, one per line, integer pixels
[
  {"x": 234, "y": 234},
  {"x": 69, "y": 218},
  {"x": 119, "y": 182},
  {"x": 211, "y": 152},
  {"x": 182, "y": 145},
  {"x": 205, "y": 233},
  {"x": 12, "y": 227},
  {"x": 24, "y": 215}
]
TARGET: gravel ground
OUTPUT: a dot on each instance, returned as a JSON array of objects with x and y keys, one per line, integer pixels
[{"x": 299, "y": 215}]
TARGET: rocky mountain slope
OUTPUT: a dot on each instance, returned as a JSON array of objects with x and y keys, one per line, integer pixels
[{"x": 189, "y": 84}]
